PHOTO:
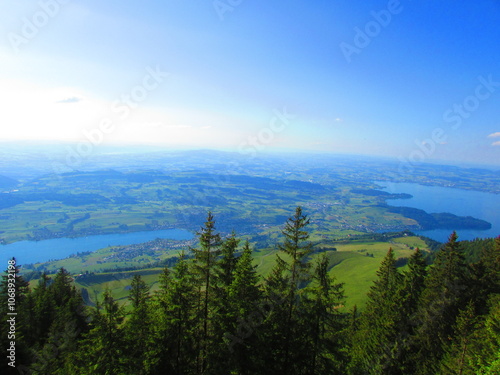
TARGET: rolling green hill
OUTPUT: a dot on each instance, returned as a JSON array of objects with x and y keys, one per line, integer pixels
[{"x": 353, "y": 262}]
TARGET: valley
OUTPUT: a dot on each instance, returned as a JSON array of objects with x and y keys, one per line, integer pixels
[{"x": 157, "y": 192}]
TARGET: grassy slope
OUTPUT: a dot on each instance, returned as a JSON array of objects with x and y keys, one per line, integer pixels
[
  {"x": 349, "y": 265},
  {"x": 358, "y": 271}
]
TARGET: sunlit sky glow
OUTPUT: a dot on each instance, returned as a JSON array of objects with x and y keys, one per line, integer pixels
[{"x": 189, "y": 74}]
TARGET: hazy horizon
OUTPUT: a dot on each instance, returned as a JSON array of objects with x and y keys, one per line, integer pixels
[
  {"x": 69, "y": 149},
  {"x": 400, "y": 79}
]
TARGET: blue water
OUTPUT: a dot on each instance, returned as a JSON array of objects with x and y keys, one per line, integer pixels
[
  {"x": 59, "y": 248},
  {"x": 436, "y": 199}
]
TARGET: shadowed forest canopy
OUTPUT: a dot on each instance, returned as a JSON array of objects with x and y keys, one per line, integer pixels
[{"x": 212, "y": 313}]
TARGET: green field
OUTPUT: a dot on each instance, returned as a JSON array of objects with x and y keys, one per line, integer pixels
[
  {"x": 251, "y": 197},
  {"x": 354, "y": 263},
  {"x": 112, "y": 202}
]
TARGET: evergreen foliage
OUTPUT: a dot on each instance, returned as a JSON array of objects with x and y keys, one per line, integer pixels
[
  {"x": 325, "y": 324},
  {"x": 379, "y": 339},
  {"x": 213, "y": 314},
  {"x": 445, "y": 293}
]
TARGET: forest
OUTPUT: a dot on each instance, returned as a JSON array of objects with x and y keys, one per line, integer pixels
[{"x": 214, "y": 314}]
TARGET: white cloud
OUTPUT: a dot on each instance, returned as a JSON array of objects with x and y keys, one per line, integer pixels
[
  {"x": 72, "y": 99},
  {"x": 494, "y": 135},
  {"x": 32, "y": 112},
  {"x": 497, "y": 143}
]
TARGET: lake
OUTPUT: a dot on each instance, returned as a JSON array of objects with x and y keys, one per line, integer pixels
[
  {"x": 437, "y": 199},
  {"x": 59, "y": 248}
]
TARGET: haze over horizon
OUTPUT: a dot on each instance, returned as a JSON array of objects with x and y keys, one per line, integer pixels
[{"x": 415, "y": 81}]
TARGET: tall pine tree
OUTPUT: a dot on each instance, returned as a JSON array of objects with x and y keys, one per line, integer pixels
[
  {"x": 103, "y": 350},
  {"x": 458, "y": 351},
  {"x": 377, "y": 346},
  {"x": 176, "y": 321},
  {"x": 221, "y": 315},
  {"x": 444, "y": 294},
  {"x": 325, "y": 336},
  {"x": 139, "y": 326},
  {"x": 291, "y": 273},
  {"x": 205, "y": 260},
  {"x": 410, "y": 293},
  {"x": 59, "y": 306},
  {"x": 246, "y": 314}
]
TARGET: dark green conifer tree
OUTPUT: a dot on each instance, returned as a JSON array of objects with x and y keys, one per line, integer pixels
[
  {"x": 40, "y": 308},
  {"x": 219, "y": 356},
  {"x": 182, "y": 301},
  {"x": 68, "y": 302},
  {"x": 488, "y": 357},
  {"x": 176, "y": 321},
  {"x": 327, "y": 325},
  {"x": 271, "y": 333},
  {"x": 377, "y": 343},
  {"x": 486, "y": 275},
  {"x": 204, "y": 266},
  {"x": 139, "y": 327},
  {"x": 444, "y": 294},
  {"x": 296, "y": 247},
  {"x": 245, "y": 316},
  {"x": 102, "y": 348},
  {"x": 158, "y": 359},
  {"x": 285, "y": 327},
  {"x": 411, "y": 290},
  {"x": 57, "y": 354},
  {"x": 60, "y": 307},
  {"x": 225, "y": 267},
  {"x": 413, "y": 282},
  {"x": 458, "y": 351}
]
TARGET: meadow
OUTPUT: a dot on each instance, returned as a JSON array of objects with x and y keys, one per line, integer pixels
[{"x": 353, "y": 262}]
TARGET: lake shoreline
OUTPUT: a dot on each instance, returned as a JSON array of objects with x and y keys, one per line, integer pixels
[
  {"x": 59, "y": 248},
  {"x": 472, "y": 214},
  {"x": 85, "y": 235}
]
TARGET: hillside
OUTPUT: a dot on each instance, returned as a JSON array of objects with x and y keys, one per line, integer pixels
[
  {"x": 353, "y": 261},
  {"x": 254, "y": 202},
  {"x": 360, "y": 292}
]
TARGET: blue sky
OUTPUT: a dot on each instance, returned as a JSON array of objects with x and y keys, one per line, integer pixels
[{"x": 415, "y": 80}]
